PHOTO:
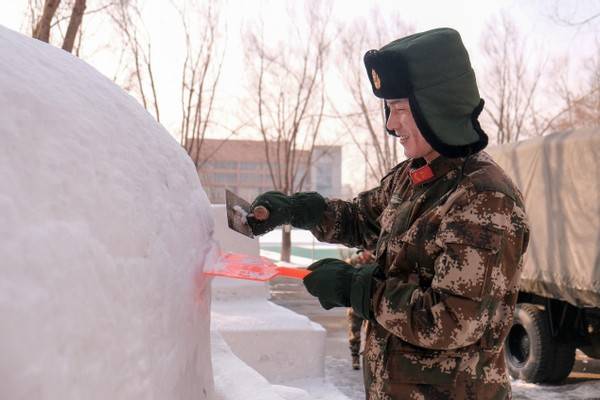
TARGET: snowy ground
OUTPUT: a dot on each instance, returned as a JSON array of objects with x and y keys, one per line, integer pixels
[
  {"x": 529, "y": 391},
  {"x": 583, "y": 383}
]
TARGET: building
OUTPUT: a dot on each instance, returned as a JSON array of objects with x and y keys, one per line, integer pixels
[
  {"x": 241, "y": 166},
  {"x": 327, "y": 169}
]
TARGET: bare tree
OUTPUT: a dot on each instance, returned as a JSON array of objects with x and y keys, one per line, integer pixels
[
  {"x": 364, "y": 120},
  {"x": 581, "y": 107},
  {"x": 201, "y": 73},
  {"x": 60, "y": 22},
  {"x": 576, "y": 14},
  {"x": 136, "y": 72},
  {"x": 581, "y": 100},
  {"x": 127, "y": 16},
  {"x": 290, "y": 100},
  {"x": 526, "y": 99},
  {"x": 512, "y": 82},
  {"x": 41, "y": 30},
  {"x": 74, "y": 24},
  {"x": 592, "y": 102}
]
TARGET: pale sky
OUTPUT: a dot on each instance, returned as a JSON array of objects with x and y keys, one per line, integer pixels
[{"x": 469, "y": 17}]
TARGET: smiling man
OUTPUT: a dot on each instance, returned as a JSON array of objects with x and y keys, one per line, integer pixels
[{"x": 448, "y": 228}]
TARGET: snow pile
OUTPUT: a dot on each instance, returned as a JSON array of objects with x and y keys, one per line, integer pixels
[
  {"x": 104, "y": 230},
  {"x": 235, "y": 380},
  {"x": 279, "y": 344}
]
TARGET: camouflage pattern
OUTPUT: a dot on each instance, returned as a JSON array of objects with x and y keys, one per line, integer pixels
[
  {"x": 451, "y": 250},
  {"x": 355, "y": 323}
]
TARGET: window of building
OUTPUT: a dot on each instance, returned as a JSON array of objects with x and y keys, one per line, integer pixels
[
  {"x": 246, "y": 178},
  {"x": 223, "y": 177},
  {"x": 222, "y": 164},
  {"x": 299, "y": 176},
  {"x": 324, "y": 178},
  {"x": 249, "y": 165}
]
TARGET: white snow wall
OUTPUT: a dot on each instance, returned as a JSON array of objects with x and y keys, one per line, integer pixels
[{"x": 104, "y": 231}]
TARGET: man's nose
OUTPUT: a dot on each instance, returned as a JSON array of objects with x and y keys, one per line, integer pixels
[{"x": 392, "y": 123}]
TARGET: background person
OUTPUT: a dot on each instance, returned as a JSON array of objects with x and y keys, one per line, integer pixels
[{"x": 355, "y": 321}]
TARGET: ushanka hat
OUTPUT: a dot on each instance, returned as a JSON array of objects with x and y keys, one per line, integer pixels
[{"x": 432, "y": 69}]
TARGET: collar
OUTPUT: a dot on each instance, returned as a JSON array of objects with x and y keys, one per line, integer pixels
[{"x": 421, "y": 172}]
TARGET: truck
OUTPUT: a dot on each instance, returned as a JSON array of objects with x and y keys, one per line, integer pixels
[{"x": 558, "y": 306}]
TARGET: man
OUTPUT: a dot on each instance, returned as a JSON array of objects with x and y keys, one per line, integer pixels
[
  {"x": 355, "y": 321},
  {"x": 447, "y": 225}
]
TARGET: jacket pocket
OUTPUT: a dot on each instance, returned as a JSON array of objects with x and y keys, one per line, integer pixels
[
  {"x": 465, "y": 265},
  {"x": 422, "y": 368},
  {"x": 470, "y": 234}
]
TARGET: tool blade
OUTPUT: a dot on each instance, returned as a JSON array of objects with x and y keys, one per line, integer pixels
[{"x": 237, "y": 210}]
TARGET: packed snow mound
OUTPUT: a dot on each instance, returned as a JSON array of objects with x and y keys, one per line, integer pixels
[{"x": 104, "y": 231}]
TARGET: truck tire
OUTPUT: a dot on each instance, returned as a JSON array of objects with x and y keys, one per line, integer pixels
[
  {"x": 564, "y": 358},
  {"x": 528, "y": 347}
]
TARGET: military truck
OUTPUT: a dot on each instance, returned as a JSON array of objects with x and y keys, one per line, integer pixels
[{"x": 558, "y": 308}]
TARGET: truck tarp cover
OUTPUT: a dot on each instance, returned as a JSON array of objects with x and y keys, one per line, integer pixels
[{"x": 559, "y": 175}]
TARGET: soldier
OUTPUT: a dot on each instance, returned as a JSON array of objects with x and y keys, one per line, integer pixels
[
  {"x": 355, "y": 321},
  {"x": 447, "y": 225}
]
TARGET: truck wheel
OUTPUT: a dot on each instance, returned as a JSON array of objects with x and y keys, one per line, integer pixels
[
  {"x": 564, "y": 358},
  {"x": 528, "y": 348}
]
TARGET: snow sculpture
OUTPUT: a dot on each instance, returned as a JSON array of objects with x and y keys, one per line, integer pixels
[{"x": 104, "y": 231}]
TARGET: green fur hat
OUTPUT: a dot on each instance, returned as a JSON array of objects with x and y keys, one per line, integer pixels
[{"x": 432, "y": 70}]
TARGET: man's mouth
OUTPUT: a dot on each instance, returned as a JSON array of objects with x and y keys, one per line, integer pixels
[{"x": 403, "y": 138}]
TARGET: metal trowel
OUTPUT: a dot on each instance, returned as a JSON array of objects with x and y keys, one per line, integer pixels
[{"x": 237, "y": 211}]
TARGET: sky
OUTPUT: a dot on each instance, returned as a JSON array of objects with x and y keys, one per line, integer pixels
[{"x": 469, "y": 17}]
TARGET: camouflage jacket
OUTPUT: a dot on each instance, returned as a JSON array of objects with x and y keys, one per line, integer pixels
[{"x": 451, "y": 252}]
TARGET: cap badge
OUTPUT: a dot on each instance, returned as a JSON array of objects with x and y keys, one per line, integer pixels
[{"x": 376, "y": 80}]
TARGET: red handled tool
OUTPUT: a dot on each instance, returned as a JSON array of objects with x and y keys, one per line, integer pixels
[{"x": 254, "y": 268}]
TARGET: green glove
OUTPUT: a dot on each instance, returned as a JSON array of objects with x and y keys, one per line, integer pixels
[
  {"x": 338, "y": 284},
  {"x": 302, "y": 210}
]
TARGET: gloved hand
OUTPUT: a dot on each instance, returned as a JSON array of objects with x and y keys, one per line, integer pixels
[
  {"x": 338, "y": 284},
  {"x": 303, "y": 210}
]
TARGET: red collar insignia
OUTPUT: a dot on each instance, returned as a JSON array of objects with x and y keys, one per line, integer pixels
[{"x": 421, "y": 174}]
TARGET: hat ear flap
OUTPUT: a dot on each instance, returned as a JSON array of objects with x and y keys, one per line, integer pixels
[{"x": 387, "y": 116}]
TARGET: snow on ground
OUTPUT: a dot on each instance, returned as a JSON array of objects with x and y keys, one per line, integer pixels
[
  {"x": 104, "y": 229},
  {"x": 235, "y": 380},
  {"x": 530, "y": 391}
]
